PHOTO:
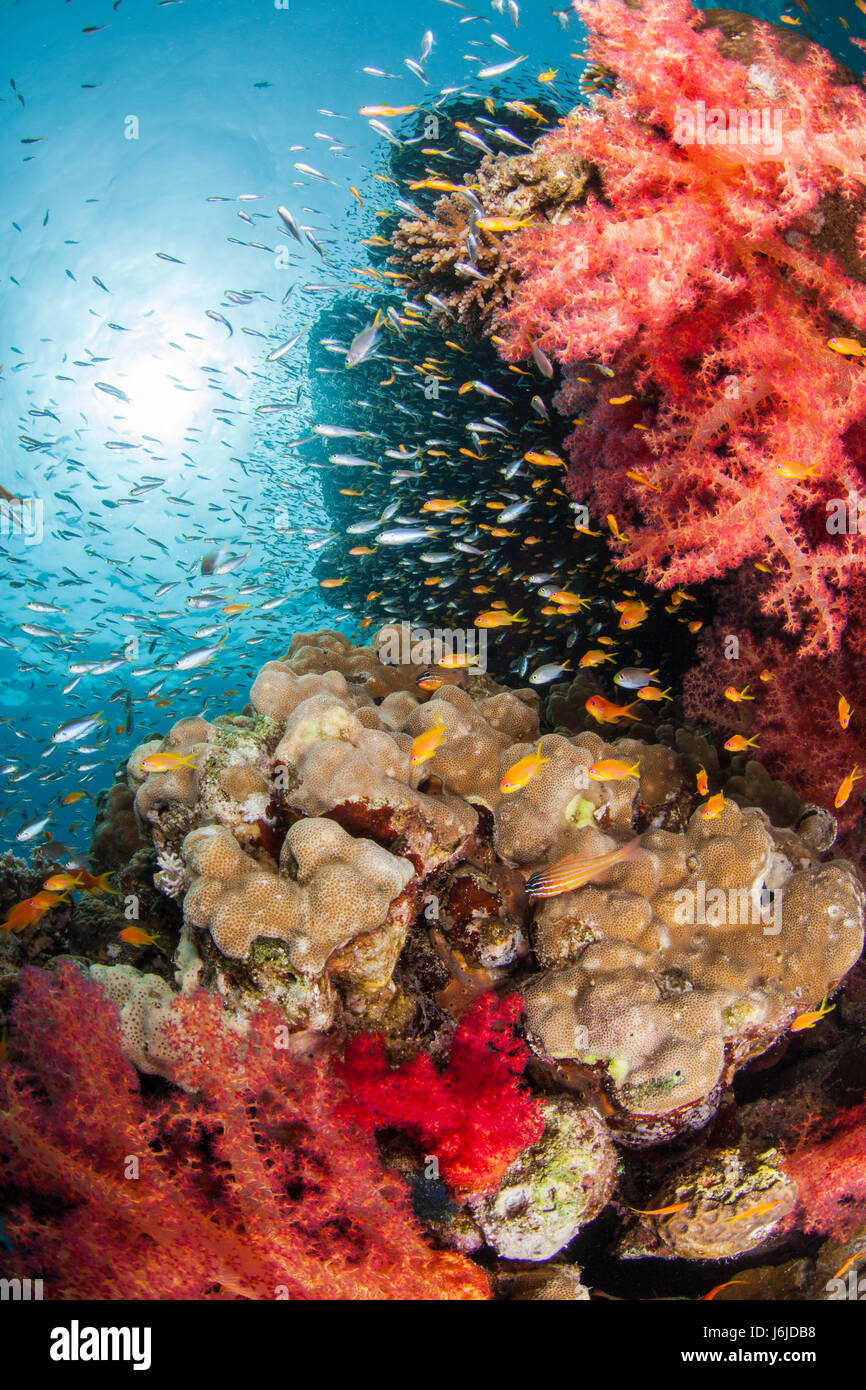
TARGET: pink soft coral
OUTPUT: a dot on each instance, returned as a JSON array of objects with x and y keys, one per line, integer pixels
[
  {"x": 694, "y": 281},
  {"x": 475, "y": 1116},
  {"x": 248, "y": 1183}
]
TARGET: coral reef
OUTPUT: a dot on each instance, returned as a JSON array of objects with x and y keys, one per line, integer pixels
[
  {"x": 718, "y": 1205},
  {"x": 679, "y": 975},
  {"x": 362, "y": 873},
  {"x": 371, "y": 1012}
]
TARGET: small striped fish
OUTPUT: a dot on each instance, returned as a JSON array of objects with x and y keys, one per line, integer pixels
[{"x": 573, "y": 872}]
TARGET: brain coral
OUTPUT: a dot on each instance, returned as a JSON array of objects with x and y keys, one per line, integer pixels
[{"x": 313, "y": 851}]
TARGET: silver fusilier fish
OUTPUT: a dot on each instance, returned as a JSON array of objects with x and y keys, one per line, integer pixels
[
  {"x": 552, "y": 671},
  {"x": 76, "y": 729},
  {"x": 29, "y": 832},
  {"x": 198, "y": 657},
  {"x": 404, "y": 536},
  {"x": 363, "y": 344}
]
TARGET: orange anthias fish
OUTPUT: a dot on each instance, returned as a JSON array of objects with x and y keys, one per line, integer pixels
[
  {"x": 737, "y": 744},
  {"x": 613, "y": 770},
  {"x": 498, "y": 617},
  {"x": 844, "y": 711},
  {"x": 502, "y": 224},
  {"x": 72, "y": 797},
  {"x": 713, "y": 808},
  {"x": 634, "y": 612},
  {"x": 29, "y": 910},
  {"x": 848, "y": 347},
  {"x": 20, "y": 916},
  {"x": 759, "y": 1210},
  {"x": 425, "y": 745},
  {"x": 45, "y": 899},
  {"x": 387, "y": 110},
  {"x": 544, "y": 459},
  {"x": 566, "y": 599},
  {"x": 707, "y": 1297},
  {"x": 737, "y": 696},
  {"x": 852, "y": 1259},
  {"x": 444, "y": 504},
  {"x": 595, "y": 658},
  {"x": 137, "y": 936},
  {"x": 61, "y": 883},
  {"x": 652, "y": 692},
  {"x": 81, "y": 878},
  {"x": 703, "y": 784},
  {"x": 573, "y": 872},
  {"x": 606, "y": 712},
  {"x": 522, "y": 771},
  {"x": 796, "y": 472},
  {"x": 808, "y": 1020},
  {"x": 846, "y": 786},
  {"x": 167, "y": 762},
  {"x": 456, "y": 661}
]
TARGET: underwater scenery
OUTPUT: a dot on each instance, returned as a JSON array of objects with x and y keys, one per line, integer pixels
[{"x": 433, "y": 708}]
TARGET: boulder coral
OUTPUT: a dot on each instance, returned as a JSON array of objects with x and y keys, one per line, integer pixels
[{"x": 357, "y": 862}]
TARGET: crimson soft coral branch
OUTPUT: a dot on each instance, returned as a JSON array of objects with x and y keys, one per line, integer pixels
[{"x": 475, "y": 1115}]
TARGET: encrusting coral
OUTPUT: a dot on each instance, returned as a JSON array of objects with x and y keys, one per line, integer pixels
[{"x": 700, "y": 953}]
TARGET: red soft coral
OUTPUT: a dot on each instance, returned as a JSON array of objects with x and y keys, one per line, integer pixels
[
  {"x": 249, "y": 1183},
  {"x": 475, "y": 1116},
  {"x": 793, "y": 712},
  {"x": 828, "y": 1164},
  {"x": 695, "y": 282}
]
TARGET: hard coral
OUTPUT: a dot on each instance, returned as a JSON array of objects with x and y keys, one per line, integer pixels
[
  {"x": 679, "y": 976},
  {"x": 543, "y": 183},
  {"x": 377, "y": 893},
  {"x": 341, "y": 887},
  {"x": 553, "y": 1188},
  {"x": 250, "y": 1183},
  {"x": 693, "y": 279}
]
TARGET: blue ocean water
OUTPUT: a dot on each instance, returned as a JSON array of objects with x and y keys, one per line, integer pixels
[{"x": 147, "y": 279}]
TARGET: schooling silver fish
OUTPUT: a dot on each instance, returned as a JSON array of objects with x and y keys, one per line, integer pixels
[
  {"x": 633, "y": 677},
  {"x": 363, "y": 343},
  {"x": 404, "y": 536}
]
